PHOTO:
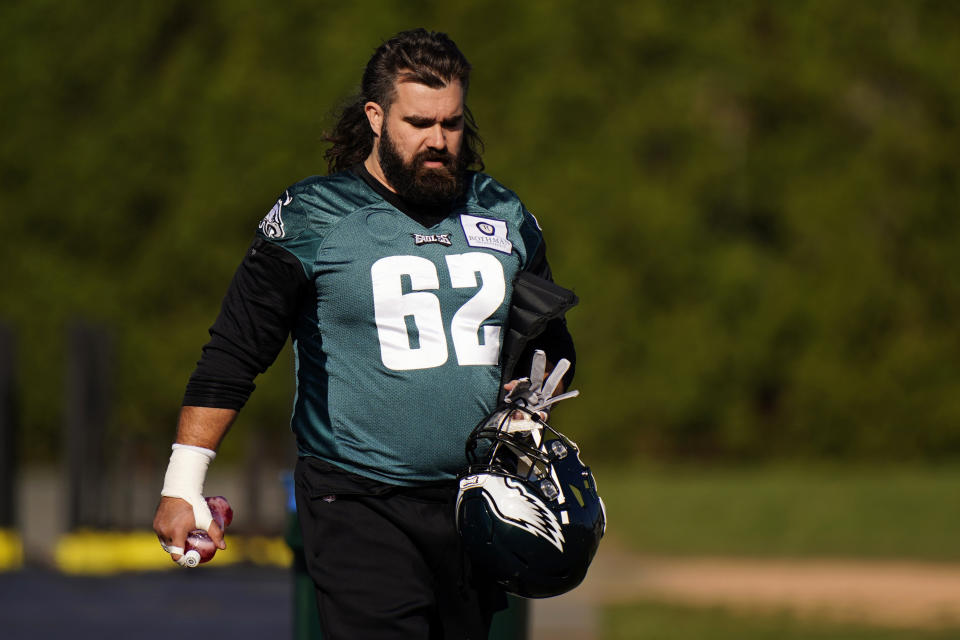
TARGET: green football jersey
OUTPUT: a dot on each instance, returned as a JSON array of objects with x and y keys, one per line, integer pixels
[{"x": 398, "y": 356}]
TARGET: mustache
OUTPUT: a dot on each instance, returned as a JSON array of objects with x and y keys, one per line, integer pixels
[{"x": 433, "y": 155}]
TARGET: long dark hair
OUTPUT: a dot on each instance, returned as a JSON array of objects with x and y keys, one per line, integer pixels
[{"x": 430, "y": 58}]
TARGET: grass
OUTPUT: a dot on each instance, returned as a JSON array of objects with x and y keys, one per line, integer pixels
[
  {"x": 675, "y": 622},
  {"x": 882, "y": 512}
]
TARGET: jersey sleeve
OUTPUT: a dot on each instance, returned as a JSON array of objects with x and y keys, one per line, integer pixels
[
  {"x": 257, "y": 312},
  {"x": 289, "y": 225}
]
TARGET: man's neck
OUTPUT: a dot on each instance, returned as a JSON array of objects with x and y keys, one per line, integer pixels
[{"x": 373, "y": 167}]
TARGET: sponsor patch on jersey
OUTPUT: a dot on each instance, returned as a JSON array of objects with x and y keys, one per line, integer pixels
[
  {"x": 435, "y": 238},
  {"x": 272, "y": 223},
  {"x": 486, "y": 233}
]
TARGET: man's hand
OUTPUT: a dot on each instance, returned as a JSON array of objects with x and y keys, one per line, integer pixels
[
  {"x": 182, "y": 507},
  {"x": 536, "y": 393},
  {"x": 172, "y": 522}
]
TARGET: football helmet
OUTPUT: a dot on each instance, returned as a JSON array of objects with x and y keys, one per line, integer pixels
[{"x": 528, "y": 511}]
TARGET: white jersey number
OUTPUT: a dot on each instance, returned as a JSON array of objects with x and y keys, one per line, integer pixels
[{"x": 397, "y": 312}]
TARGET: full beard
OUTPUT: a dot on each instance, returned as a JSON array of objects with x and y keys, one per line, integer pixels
[{"x": 417, "y": 184}]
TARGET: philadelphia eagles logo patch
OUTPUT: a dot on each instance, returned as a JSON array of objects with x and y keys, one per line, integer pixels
[
  {"x": 272, "y": 223},
  {"x": 434, "y": 238}
]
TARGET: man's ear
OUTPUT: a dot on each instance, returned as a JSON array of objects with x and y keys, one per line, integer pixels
[{"x": 375, "y": 117}]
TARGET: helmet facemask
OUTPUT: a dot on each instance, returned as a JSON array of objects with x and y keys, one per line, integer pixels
[{"x": 518, "y": 443}]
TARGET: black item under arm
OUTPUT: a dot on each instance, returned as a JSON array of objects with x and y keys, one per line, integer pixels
[
  {"x": 255, "y": 319},
  {"x": 555, "y": 339}
]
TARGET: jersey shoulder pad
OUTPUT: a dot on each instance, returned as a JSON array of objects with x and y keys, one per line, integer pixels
[
  {"x": 489, "y": 194},
  {"x": 311, "y": 205},
  {"x": 486, "y": 193}
]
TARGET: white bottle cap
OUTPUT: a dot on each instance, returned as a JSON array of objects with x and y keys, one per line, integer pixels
[{"x": 191, "y": 558}]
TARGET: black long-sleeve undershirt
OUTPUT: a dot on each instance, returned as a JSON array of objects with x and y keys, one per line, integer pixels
[{"x": 256, "y": 317}]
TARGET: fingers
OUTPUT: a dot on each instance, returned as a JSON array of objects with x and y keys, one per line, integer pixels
[
  {"x": 534, "y": 392},
  {"x": 518, "y": 388},
  {"x": 172, "y": 522},
  {"x": 216, "y": 534},
  {"x": 188, "y": 559},
  {"x": 178, "y": 556},
  {"x": 175, "y": 550}
]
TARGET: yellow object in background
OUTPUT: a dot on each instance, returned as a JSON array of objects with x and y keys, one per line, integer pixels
[
  {"x": 11, "y": 550},
  {"x": 90, "y": 552}
]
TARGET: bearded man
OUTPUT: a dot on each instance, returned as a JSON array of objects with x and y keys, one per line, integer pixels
[{"x": 396, "y": 276}]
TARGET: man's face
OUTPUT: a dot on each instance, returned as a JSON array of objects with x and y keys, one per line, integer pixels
[{"x": 420, "y": 141}]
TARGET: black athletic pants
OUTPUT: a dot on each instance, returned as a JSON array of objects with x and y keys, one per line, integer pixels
[{"x": 386, "y": 561}]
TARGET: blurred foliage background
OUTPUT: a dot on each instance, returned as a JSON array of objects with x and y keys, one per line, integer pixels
[{"x": 756, "y": 203}]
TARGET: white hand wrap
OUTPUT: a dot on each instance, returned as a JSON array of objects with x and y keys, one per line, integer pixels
[
  {"x": 185, "y": 475},
  {"x": 189, "y": 559}
]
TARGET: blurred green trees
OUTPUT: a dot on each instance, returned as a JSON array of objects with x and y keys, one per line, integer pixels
[{"x": 756, "y": 202}]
